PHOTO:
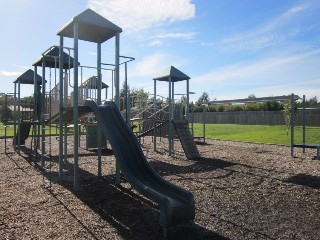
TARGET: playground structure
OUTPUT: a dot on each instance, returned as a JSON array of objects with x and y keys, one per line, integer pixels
[
  {"x": 52, "y": 104},
  {"x": 303, "y": 143},
  {"x": 292, "y": 98}
]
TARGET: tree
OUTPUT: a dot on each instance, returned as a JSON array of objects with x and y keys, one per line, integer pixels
[
  {"x": 139, "y": 98},
  {"x": 5, "y": 114},
  {"x": 287, "y": 114},
  {"x": 204, "y": 98},
  {"x": 312, "y": 101}
]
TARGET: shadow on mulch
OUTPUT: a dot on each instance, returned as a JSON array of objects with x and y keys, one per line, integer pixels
[
  {"x": 199, "y": 165},
  {"x": 305, "y": 180},
  {"x": 133, "y": 216}
]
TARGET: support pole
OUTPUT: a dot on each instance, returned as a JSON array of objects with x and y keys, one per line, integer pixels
[
  {"x": 116, "y": 72},
  {"x": 154, "y": 112},
  {"x": 20, "y": 118},
  {"x": 43, "y": 105},
  {"x": 188, "y": 99},
  {"x": 99, "y": 103},
  {"x": 292, "y": 123},
  {"x": 61, "y": 84},
  {"x": 304, "y": 122},
  {"x": 170, "y": 118},
  {"x": 35, "y": 128},
  {"x": 15, "y": 118},
  {"x": 117, "y": 91},
  {"x": 126, "y": 93},
  {"x": 75, "y": 106}
]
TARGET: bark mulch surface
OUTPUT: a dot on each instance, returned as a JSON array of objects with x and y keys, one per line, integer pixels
[{"x": 242, "y": 191}]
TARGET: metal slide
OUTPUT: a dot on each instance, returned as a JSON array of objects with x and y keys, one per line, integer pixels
[
  {"x": 176, "y": 204},
  {"x": 23, "y": 130}
]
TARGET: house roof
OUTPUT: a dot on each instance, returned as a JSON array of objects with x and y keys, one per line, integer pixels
[
  {"x": 262, "y": 99},
  {"x": 92, "y": 27},
  {"x": 175, "y": 74}
]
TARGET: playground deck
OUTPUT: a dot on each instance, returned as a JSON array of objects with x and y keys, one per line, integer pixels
[{"x": 242, "y": 191}]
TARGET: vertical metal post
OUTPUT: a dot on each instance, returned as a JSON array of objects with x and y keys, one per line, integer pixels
[
  {"x": 61, "y": 84},
  {"x": 99, "y": 88},
  {"x": 112, "y": 85},
  {"x": 43, "y": 100},
  {"x": 75, "y": 106},
  {"x": 188, "y": 99},
  {"x": 292, "y": 123},
  {"x": 304, "y": 122},
  {"x": 15, "y": 118},
  {"x": 126, "y": 93},
  {"x": 173, "y": 116},
  {"x": 192, "y": 127},
  {"x": 128, "y": 107},
  {"x": 154, "y": 112},
  {"x": 20, "y": 118},
  {"x": 65, "y": 142},
  {"x": 116, "y": 72},
  {"x": 117, "y": 91},
  {"x": 170, "y": 118},
  {"x": 204, "y": 124},
  {"x": 35, "y": 128}
]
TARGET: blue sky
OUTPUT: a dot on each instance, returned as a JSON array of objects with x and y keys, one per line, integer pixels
[{"x": 230, "y": 49}]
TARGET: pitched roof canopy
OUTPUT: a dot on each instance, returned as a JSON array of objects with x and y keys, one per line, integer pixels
[
  {"x": 175, "y": 74},
  {"x": 28, "y": 78},
  {"x": 51, "y": 59},
  {"x": 92, "y": 83},
  {"x": 92, "y": 27}
]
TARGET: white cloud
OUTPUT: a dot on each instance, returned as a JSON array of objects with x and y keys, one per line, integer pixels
[
  {"x": 9, "y": 74},
  {"x": 137, "y": 15},
  {"x": 277, "y": 30},
  {"x": 155, "y": 43},
  {"x": 150, "y": 65},
  {"x": 282, "y": 74},
  {"x": 176, "y": 35}
]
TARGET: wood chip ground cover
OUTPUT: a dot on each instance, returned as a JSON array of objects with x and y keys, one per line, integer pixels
[{"x": 242, "y": 191}]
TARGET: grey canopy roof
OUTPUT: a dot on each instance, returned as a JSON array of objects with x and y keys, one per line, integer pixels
[
  {"x": 175, "y": 74},
  {"x": 51, "y": 59},
  {"x": 92, "y": 83},
  {"x": 28, "y": 78},
  {"x": 92, "y": 27}
]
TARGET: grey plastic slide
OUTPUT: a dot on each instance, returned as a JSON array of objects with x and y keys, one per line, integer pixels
[{"x": 176, "y": 204}]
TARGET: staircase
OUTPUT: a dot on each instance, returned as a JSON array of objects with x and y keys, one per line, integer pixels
[{"x": 186, "y": 139}]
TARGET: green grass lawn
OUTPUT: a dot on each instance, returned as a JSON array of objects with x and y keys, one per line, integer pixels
[
  {"x": 257, "y": 133},
  {"x": 245, "y": 133}
]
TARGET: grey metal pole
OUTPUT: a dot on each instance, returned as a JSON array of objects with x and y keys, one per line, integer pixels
[
  {"x": 20, "y": 118},
  {"x": 117, "y": 92},
  {"x": 170, "y": 117},
  {"x": 204, "y": 124},
  {"x": 116, "y": 71},
  {"x": 99, "y": 103},
  {"x": 75, "y": 106},
  {"x": 304, "y": 122},
  {"x": 35, "y": 129},
  {"x": 154, "y": 112},
  {"x": 15, "y": 118},
  {"x": 126, "y": 93},
  {"x": 43, "y": 100},
  {"x": 188, "y": 99},
  {"x": 128, "y": 107},
  {"x": 292, "y": 123},
  {"x": 61, "y": 140}
]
